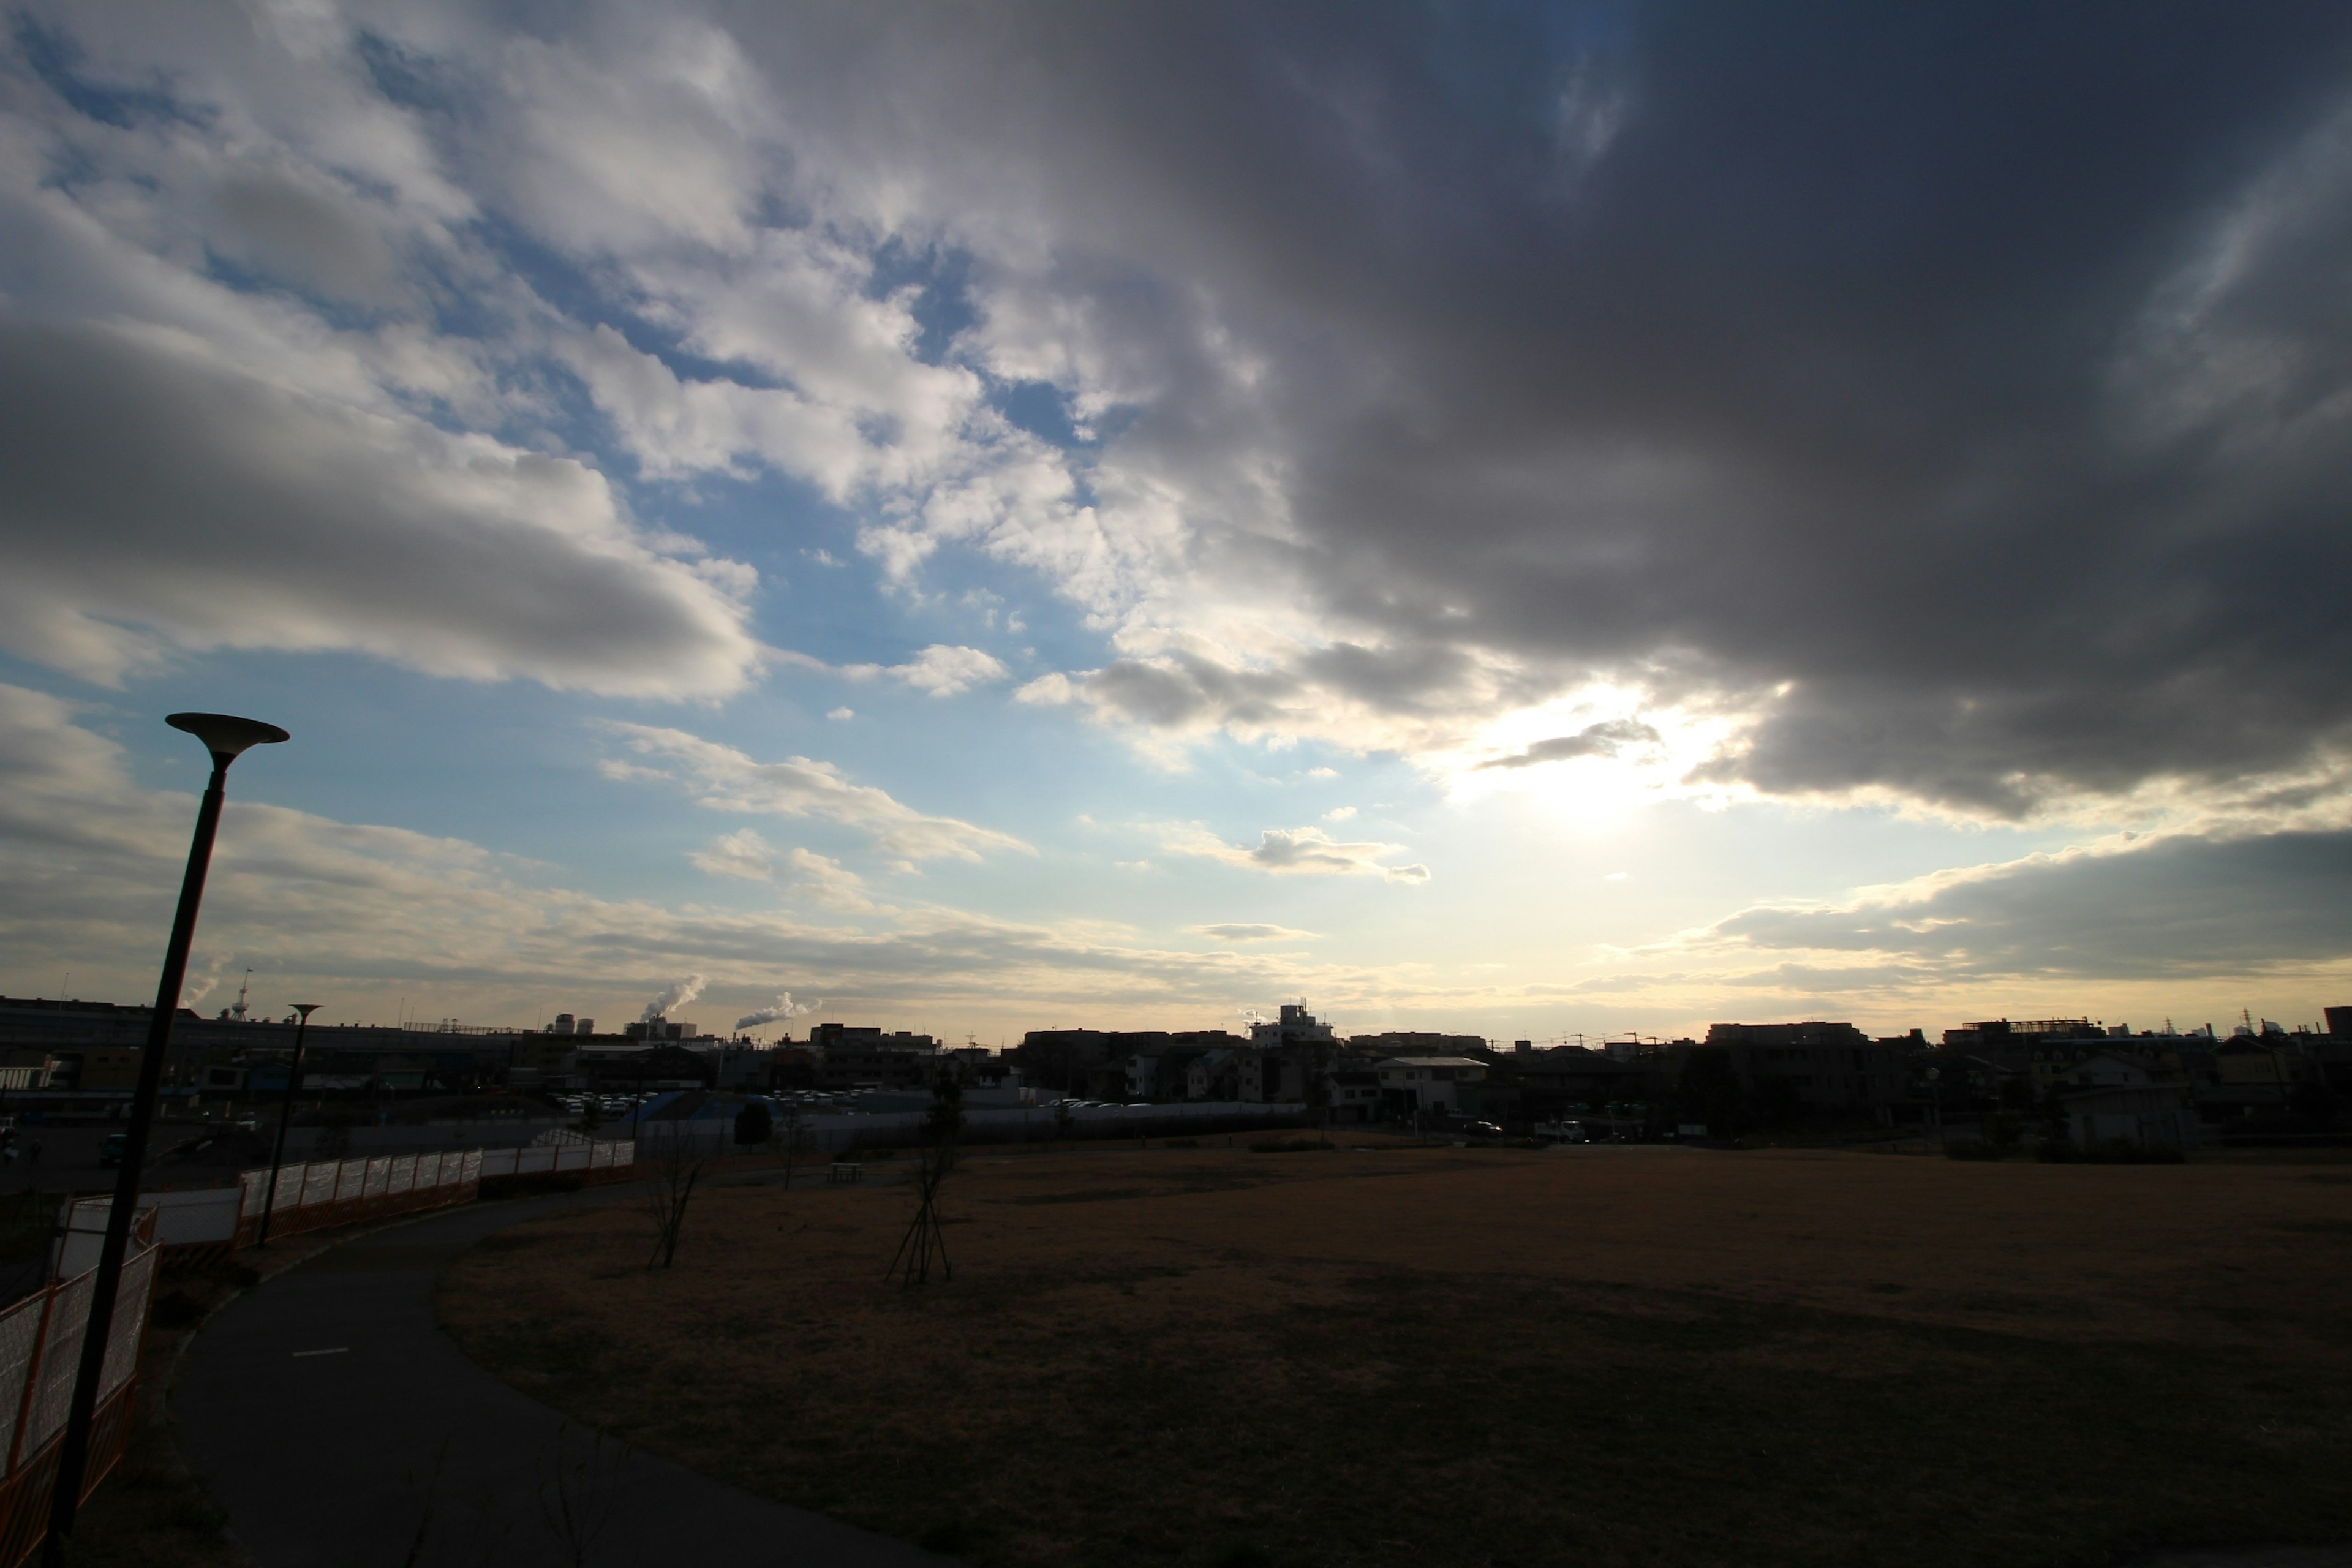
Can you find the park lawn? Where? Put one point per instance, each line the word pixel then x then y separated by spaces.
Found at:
pixel 1434 1357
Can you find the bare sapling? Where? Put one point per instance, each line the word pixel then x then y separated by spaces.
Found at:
pixel 678 1162
pixel 790 1138
pixel 925 1243
pixel 577 1494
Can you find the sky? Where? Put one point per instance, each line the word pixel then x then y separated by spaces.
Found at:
pixel 1536 520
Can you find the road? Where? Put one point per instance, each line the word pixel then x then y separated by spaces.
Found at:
pixel 337 1422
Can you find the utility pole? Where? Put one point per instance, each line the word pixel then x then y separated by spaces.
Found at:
pixel 285 1117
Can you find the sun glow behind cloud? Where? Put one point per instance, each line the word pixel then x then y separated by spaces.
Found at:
pixel 1591 758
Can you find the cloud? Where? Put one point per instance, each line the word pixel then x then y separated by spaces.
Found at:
pixel 1867 435
pixel 940 671
pixel 1675 394
pixel 1600 739
pixel 360 915
pixel 1308 851
pixel 841 713
pixel 721 778
pixel 743 853
pixel 1241 931
pixel 2174 907
pixel 1339 814
pixel 156 498
pixel 822 881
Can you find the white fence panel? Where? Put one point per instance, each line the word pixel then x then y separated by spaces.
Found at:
pixel 60 1360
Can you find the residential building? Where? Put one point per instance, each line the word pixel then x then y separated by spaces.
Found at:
pixel 2114 1096
pixel 1213 1075
pixel 1572 1078
pixel 1353 1097
pixel 1416 1043
pixel 1441 1086
pixel 1295 1027
pixel 1072 1061
pixel 1270 1076
pixel 1817 1067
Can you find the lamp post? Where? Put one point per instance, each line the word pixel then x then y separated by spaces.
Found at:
pixel 227 738
pixel 285 1117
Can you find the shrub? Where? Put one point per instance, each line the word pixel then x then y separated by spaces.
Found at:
pixel 753 1123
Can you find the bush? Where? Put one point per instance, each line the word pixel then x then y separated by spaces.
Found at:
pixel 753 1123
pixel 1290 1145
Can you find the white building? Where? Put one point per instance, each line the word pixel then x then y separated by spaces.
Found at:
pixel 2112 1097
pixel 1432 1083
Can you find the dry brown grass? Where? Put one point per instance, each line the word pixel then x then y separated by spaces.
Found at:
pixel 1436 1357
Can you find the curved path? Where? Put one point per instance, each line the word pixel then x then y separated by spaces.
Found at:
pixel 335 1421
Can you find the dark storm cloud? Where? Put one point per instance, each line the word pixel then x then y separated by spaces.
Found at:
pixel 2182 905
pixel 1962 390
pixel 142 482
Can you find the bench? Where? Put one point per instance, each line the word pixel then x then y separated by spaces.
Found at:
pixel 846 1175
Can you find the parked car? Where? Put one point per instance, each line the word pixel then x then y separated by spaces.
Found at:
pixel 1482 1129
pixel 111 1148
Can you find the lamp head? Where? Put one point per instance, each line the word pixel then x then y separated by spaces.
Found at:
pixel 307 1008
pixel 225 736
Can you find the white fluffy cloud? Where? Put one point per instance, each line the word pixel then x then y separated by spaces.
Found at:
pixel 722 778
pixel 940 671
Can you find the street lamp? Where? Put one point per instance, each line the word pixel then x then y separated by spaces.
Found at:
pixel 285 1117
pixel 227 738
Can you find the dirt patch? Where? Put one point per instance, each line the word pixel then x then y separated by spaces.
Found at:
pixel 1447 1357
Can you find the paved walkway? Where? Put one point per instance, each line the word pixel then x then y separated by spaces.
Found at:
pixel 335 1421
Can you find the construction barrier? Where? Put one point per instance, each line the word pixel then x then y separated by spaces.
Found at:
pixel 594 1160
pixel 40 1354
pixel 322 1193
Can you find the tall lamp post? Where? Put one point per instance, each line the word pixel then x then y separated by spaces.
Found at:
pixel 285 1117
pixel 227 738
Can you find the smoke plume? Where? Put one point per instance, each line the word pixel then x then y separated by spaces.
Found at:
pixel 785 1008
pixel 677 994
